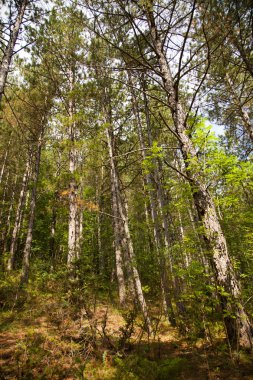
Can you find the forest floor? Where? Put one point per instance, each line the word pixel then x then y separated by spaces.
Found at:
pixel 42 337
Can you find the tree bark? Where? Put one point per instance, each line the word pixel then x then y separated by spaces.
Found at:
pixel 73 186
pixel 101 256
pixel 4 161
pixel 17 223
pixel 123 216
pixel 29 236
pixel 6 231
pixel 3 166
pixel 116 226
pixel 4 197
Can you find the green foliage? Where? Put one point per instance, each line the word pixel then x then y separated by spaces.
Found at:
pixel 150 161
pixel 137 367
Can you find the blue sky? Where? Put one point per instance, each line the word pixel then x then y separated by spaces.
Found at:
pixel 218 129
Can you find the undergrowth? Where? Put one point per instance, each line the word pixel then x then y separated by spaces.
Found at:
pixel 49 332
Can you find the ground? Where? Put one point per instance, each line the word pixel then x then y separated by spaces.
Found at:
pixel 43 336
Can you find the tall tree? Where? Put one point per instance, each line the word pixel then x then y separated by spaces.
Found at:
pixel 12 30
pixel 157 32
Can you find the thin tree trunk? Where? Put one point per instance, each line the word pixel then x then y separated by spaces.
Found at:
pixel 6 232
pixel 24 211
pixel 79 239
pixel 153 208
pixel 52 236
pixel 9 50
pixel 28 243
pixel 17 223
pixel 3 166
pixel 117 233
pixel 4 197
pixel 52 242
pixel 118 253
pixel 79 227
pixel 124 244
pixel 72 224
pixel 123 216
pixel 4 161
pixel 238 328
pixel 101 257
pixel 193 220
pixel 73 187
pixel 157 176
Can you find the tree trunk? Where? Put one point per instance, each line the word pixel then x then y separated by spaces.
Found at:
pixel 28 243
pixel 4 161
pixel 117 229
pixel 3 166
pixel 3 210
pixel 80 235
pixel 101 256
pixel 73 187
pixel 52 236
pixel 164 279
pixel 238 328
pixel 6 231
pixel 9 50
pixel 17 223
pixel 124 218
pixel 200 255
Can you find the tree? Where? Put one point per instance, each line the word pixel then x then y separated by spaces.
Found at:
pixel 8 48
pixel 155 31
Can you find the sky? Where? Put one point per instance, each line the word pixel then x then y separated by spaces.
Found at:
pixel 218 129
